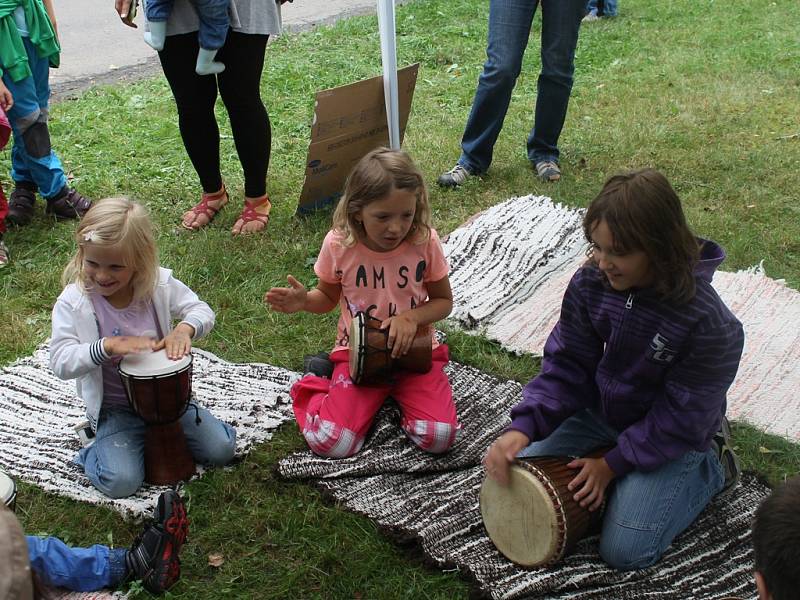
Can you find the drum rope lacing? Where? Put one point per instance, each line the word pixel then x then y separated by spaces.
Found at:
pixel 561 512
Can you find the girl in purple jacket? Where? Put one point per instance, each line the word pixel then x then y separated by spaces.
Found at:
pixel 640 362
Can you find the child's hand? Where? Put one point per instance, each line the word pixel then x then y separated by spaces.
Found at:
pixel 402 331
pixel 593 479
pixel 287 300
pixel 6 98
pixel 178 342
pixel 128 344
pixel 502 453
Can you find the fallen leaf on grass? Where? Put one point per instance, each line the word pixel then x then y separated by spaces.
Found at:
pixel 764 450
pixel 215 560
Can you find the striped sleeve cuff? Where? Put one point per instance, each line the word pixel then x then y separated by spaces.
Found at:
pixel 197 324
pixel 97 353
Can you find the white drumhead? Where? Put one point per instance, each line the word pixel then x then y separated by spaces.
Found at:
pixel 520 518
pixel 7 488
pixel 152 364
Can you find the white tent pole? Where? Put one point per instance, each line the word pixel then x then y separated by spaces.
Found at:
pixel 386 26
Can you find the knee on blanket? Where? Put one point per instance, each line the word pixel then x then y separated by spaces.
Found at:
pixel 432 436
pixel 628 549
pixel 327 439
pixel 119 486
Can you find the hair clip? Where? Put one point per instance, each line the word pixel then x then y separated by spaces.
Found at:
pixel 91 236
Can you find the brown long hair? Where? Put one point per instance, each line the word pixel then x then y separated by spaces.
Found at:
pixel 373 178
pixel 644 213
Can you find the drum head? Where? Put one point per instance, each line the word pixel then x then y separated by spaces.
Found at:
pixel 8 489
pixel 520 518
pixel 152 364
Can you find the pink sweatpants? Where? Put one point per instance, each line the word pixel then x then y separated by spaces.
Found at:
pixel 335 414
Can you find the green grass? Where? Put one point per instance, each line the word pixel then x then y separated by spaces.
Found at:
pixel 705 91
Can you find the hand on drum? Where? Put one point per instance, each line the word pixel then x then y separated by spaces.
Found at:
pixel 287 300
pixel 128 344
pixel 502 453
pixel 178 343
pixel 593 479
pixel 402 331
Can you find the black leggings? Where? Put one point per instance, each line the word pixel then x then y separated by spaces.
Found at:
pixel 195 96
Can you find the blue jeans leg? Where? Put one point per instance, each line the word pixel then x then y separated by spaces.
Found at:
pixel 76 569
pixel 114 463
pixel 509 29
pixel 576 436
pixel 32 156
pixel 646 511
pixel 214 23
pixel 158 10
pixel 211 441
pixel 561 21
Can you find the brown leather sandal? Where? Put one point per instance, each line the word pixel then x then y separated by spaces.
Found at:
pixel 204 208
pixel 249 214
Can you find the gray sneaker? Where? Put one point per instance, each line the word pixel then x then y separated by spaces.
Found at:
pixel 454 177
pixel 727 457
pixel 547 170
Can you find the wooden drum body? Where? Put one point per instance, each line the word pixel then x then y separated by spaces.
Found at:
pixel 8 491
pixel 159 391
pixel 534 521
pixel 371 360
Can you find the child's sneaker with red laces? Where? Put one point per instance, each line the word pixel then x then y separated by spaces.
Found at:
pixel 153 557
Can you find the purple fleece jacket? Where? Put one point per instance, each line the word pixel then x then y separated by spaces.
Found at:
pixel 656 372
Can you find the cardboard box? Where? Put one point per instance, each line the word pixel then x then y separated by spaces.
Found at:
pixel 349 121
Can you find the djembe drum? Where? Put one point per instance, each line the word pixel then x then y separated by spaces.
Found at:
pixel 159 391
pixel 8 491
pixel 371 359
pixel 534 520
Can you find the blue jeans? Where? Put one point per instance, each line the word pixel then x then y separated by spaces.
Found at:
pixel 114 463
pixel 609 7
pixel 644 511
pixel 76 569
pixel 32 157
pixel 509 29
pixel 213 15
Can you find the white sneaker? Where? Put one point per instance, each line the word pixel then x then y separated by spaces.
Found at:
pixel 454 177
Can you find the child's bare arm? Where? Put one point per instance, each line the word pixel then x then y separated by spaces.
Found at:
pixel 6 98
pixel 51 12
pixel 321 299
pixel 403 327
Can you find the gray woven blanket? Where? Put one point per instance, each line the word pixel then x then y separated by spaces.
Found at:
pixel 434 500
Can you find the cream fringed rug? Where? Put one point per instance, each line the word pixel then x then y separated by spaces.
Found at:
pixel 511 264
pixel 38 412
pixel 433 500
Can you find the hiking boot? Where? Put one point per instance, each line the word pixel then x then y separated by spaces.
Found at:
pixel 454 177
pixel 3 254
pixel 20 205
pixel 69 204
pixel 547 170
pixel 721 444
pixel 153 557
pixel 318 364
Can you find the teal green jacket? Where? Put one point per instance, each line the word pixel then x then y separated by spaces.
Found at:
pixel 13 58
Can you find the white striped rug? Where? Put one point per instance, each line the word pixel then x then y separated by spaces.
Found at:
pixel 434 500
pixel 511 264
pixel 38 411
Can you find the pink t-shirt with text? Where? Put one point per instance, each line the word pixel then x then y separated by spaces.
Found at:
pixel 381 284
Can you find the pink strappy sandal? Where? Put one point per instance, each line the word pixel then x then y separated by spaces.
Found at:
pixel 204 208
pixel 249 214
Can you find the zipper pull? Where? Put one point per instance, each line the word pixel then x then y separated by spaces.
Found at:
pixel 629 303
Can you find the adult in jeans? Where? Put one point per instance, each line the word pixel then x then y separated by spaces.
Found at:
pixel 252 22
pixel 509 29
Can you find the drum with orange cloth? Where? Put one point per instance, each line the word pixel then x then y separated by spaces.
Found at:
pixel 159 391
pixel 534 520
pixel 371 359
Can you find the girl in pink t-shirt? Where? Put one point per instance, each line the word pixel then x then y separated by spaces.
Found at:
pixel 382 258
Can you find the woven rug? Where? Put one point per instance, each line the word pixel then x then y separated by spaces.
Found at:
pixel 38 412
pixel 434 500
pixel 511 264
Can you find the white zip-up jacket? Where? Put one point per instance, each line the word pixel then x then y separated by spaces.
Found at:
pixel 76 348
